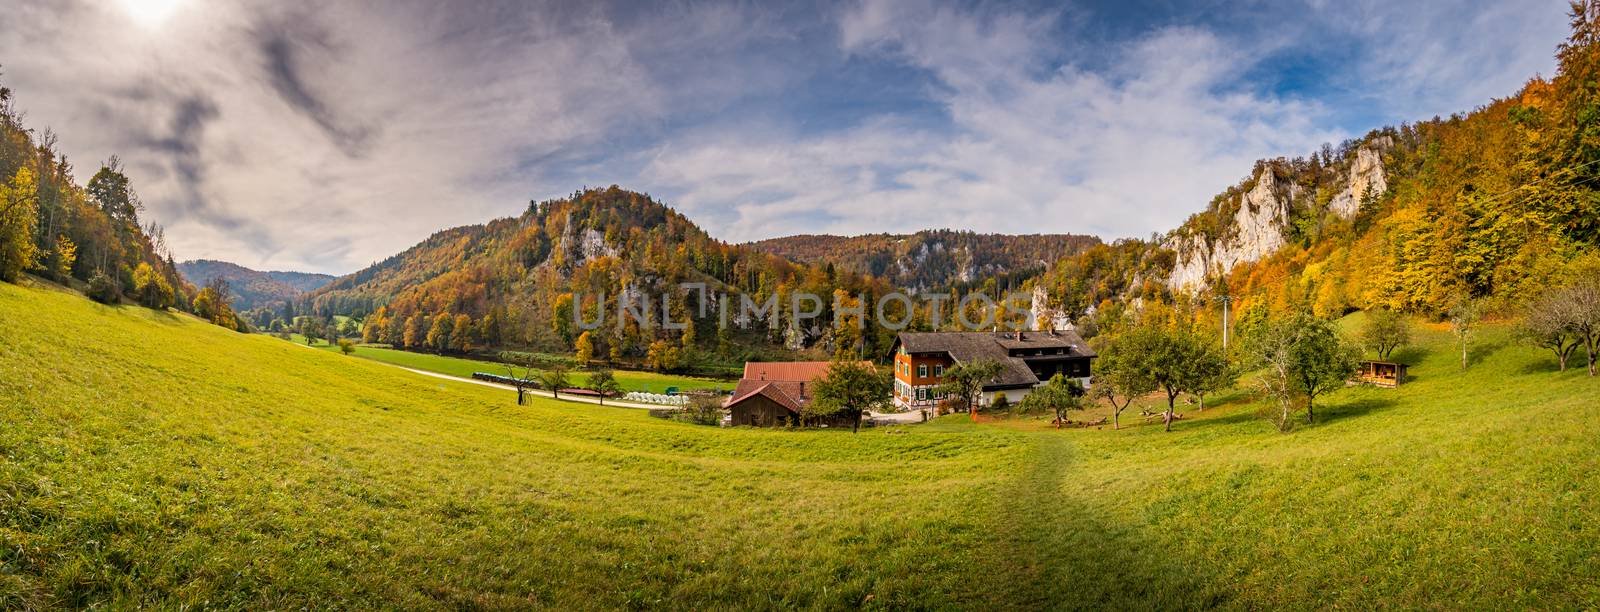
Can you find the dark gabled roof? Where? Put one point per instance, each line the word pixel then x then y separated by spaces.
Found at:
pixel 788 394
pixel 965 347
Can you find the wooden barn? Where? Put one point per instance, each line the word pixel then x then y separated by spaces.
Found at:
pixel 775 393
pixel 1381 373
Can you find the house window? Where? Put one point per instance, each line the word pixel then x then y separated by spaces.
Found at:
pixel 922 394
pixel 938 370
pixel 922 370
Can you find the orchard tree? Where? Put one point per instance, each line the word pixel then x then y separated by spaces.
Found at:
pixel 604 382
pixel 347 346
pixel 1549 321
pixel 1058 395
pixel 850 388
pixel 1463 317
pixel 1385 331
pixel 1304 358
pixel 964 382
pixel 1172 360
pixel 1116 380
pixel 555 379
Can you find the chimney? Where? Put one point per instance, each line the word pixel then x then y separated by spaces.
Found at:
pixel 1019 335
pixel 1052 330
pixel 802 389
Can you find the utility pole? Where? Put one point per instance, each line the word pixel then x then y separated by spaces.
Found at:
pixel 1226 299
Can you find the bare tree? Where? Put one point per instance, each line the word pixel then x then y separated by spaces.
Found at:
pixel 1549 322
pixel 521 376
pixel 1463 321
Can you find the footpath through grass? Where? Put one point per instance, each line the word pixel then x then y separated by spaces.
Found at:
pixel 148 459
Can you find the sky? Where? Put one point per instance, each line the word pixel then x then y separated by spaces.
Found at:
pixel 325 136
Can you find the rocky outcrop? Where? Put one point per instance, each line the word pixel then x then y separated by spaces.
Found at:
pixel 1260 222
pixel 1256 230
pixel 1365 179
pixel 1044 316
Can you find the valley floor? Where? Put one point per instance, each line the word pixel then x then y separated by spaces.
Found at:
pixel 150 459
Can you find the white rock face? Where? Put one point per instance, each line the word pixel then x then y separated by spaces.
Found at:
pixel 1366 178
pixel 1258 229
pixel 593 245
pixel 1044 317
pixel 1257 232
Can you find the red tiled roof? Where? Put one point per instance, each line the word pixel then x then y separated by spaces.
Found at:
pixel 783 382
pixel 792 371
pixel 788 394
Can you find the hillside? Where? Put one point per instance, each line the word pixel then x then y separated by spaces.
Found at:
pixel 251 288
pixel 1486 204
pixel 298 477
pixel 518 280
pixel 932 259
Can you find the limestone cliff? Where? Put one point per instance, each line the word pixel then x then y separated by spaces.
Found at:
pixel 1282 197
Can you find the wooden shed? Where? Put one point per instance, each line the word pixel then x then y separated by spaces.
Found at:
pixel 1381 373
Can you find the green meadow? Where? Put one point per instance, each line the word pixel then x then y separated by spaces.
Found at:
pixel 464 367
pixel 148 459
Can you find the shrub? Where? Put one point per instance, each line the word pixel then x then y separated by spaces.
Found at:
pixel 104 290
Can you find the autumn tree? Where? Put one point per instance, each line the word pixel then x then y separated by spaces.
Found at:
pixel 439 332
pixel 414 335
pixel 584 349
pixel 19 202
pixel 662 356
pixel 151 289
pixel 461 333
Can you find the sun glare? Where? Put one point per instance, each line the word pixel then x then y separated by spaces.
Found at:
pixel 149 13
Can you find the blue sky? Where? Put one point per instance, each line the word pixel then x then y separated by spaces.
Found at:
pixel 324 136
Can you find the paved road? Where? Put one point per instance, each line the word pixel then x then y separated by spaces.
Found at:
pixel 564 398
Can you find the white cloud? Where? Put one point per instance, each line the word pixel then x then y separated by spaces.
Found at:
pixel 324 136
pixel 1033 148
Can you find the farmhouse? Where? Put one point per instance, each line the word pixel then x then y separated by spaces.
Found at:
pixel 774 393
pixel 1027 358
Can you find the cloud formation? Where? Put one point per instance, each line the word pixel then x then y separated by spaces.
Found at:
pixel 324 136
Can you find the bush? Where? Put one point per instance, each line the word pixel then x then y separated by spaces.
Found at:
pixel 347 346
pixel 104 290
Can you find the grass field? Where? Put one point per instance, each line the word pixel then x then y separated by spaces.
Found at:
pixel 149 459
pixel 458 366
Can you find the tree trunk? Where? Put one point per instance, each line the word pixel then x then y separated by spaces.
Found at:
pixel 1590 349
pixel 856 427
pixel 1202 399
pixel 1463 352
pixel 1116 417
pixel 1168 416
pixel 1310 406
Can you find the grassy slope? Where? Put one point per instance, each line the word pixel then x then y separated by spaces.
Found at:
pixel 155 459
pixel 457 366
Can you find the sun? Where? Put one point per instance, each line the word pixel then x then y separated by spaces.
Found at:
pixel 149 13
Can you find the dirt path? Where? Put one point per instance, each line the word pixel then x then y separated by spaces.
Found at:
pixel 1032 514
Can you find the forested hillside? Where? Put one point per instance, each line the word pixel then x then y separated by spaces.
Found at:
pixel 515 282
pixel 252 288
pixel 1488 205
pixel 932 259
pixel 88 235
